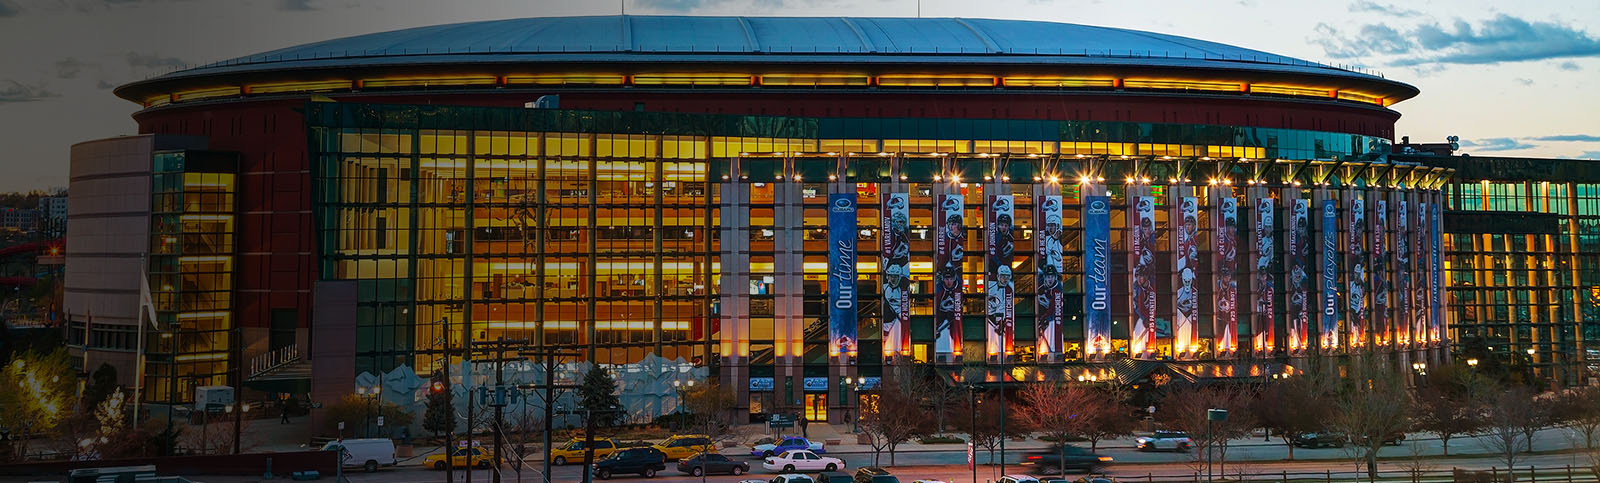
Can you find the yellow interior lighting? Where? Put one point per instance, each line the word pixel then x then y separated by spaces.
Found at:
pixel 160 100
pixel 429 81
pixel 693 79
pixel 1360 97
pixel 1055 81
pixel 1289 90
pixel 815 80
pixel 566 79
pixel 1180 84
pixel 214 356
pixel 948 80
pixel 315 86
pixel 207 93
pixel 203 259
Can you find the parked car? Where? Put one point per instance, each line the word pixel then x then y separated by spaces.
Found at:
pixel 641 461
pixel 1392 439
pixel 786 478
pixel 1164 440
pixel 1318 440
pixel 1018 479
pixel 712 463
pixel 368 453
pixel 1051 461
pixel 1097 479
pixel 801 460
pixel 786 444
pixel 873 474
pixel 574 451
pixel 460 458
pixel 682 446
pixel 833 477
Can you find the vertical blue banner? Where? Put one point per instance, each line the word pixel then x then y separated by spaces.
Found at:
pixel 1329 335
pixel 1097 279
pixel 1436 329
pixel 842 274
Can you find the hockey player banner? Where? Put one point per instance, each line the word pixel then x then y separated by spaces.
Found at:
pixel 1097 279
pixel 1380 274
pixel 896 255
pixel 1329 333
pixel 1436 267
pixel 949 252
pixel 1142 236
pixel 1356 280
pixel 1419 284
pixel 1048 262
pixel 1402 258
pixel 1186 330
pixel 842 274
pixel 1299 278
pixel 1000 313
pixel 1262 326
pixel 1227 285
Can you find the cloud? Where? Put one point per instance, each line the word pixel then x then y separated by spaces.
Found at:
pixel 1570 66
pixel 1503 38
pixel 13 91
pixel 8 10
pixel 154 61
pixel 69 68
pixel 104 84
pixel 1524 81
pixel 296 5
pixel 1360 6
pixel 1589 155
pixel 1586 138
pixel 1497 144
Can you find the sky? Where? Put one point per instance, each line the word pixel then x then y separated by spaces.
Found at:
pixel 1510 82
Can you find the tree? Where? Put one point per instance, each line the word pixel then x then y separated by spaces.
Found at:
pixel 1112 419
pixel 1504 417
pixel 34 392
pixel 598 396
pixel 1446 415
pixel 982 425
pixel 1056 410
pixel 101 383
pixel 1539 414
pixel 1580 408
pixel 1371 406
pixel 710 408
pixel 358 412
pixel 1294 406
pixel 439 417
pixel 890 416
pixel 1185 410
pixel 932 393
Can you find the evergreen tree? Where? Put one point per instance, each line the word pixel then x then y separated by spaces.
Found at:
pixel 102 382
pixel 440 416
pixel 599 395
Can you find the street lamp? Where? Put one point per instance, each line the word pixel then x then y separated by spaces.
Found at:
pixel 1473 362
pixel 368 395
pixel 680 387
pixel 850 383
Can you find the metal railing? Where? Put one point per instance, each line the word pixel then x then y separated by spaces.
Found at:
pixel 1552 474
pixel 273 359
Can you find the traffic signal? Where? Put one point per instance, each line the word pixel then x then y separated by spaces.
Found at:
pixel 437 388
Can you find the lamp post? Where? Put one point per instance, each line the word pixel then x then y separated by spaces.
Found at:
pixel 680 387
pixel 844 395
pixel 368 395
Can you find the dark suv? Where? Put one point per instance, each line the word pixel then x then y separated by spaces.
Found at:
pixel 641 461
pixel 1051 461
pixel 873 474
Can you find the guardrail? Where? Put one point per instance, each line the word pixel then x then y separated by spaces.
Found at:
pixel 273 359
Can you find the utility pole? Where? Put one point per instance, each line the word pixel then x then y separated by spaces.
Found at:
pixel 450 431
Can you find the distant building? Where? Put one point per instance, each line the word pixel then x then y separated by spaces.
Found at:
pixel 53 215
pixel 21 219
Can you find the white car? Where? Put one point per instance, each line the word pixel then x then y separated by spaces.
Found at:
pixel 1018 479
pixel 785 478
pixel 801 460
pixel 1164 440
pixel 928 481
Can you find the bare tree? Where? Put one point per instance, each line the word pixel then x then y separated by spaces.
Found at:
pixel 1580 408
pixel 924 382
pixel 1371 407
pixel 1185 410
pixel 1112 419
pixel 889 417
pixel 710 409
pixel 1446 415
pixel 982 424
pixel 1416 463
pixel 1058 411
pixel 1504 417
pixel 1295 406
pixel 1539 414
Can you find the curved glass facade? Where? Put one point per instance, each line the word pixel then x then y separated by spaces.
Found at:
pixel 716 239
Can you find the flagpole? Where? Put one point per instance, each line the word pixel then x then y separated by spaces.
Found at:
pixel 146 308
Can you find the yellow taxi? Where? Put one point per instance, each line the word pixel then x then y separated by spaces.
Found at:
pixel 682 446
pixel 461 458
pixel 574 451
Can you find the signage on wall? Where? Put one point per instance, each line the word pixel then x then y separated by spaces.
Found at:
pixel 816 384
pixel 760 384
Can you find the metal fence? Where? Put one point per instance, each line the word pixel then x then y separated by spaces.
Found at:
pixel 1553 474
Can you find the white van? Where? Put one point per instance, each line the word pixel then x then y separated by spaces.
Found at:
pixel 367 454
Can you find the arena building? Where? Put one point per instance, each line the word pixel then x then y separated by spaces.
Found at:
pixel 797 205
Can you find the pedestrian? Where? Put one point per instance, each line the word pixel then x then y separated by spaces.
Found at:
pixel 283 413
pixel 803 424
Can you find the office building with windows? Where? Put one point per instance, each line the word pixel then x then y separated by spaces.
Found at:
pixel 798 205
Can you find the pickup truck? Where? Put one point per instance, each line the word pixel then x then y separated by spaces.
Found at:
pixel 786 444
